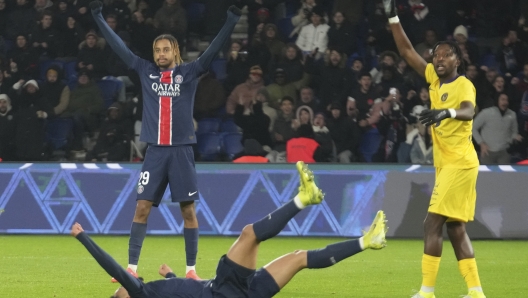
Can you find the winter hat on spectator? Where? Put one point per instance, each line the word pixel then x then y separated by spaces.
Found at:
pixel 461 30
pixel 255 70
pixel 92 33
pixel 85 72
pixel 335 106
pixel 31 82
pixel 263 11
pixel 264 92
pixel 6 98
pixel 280 72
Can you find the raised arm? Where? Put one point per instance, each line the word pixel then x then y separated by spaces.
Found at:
pixel 233 15
pixel 111 37
pixel 405 47
pixel 130 283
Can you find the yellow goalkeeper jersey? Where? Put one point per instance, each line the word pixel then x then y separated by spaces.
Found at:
pixel 452 145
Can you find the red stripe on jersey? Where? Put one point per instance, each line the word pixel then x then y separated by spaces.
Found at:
pixel 165 113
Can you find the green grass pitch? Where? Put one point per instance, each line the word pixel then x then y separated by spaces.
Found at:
pixel 59 266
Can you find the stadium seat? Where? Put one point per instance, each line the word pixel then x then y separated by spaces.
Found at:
pixel 70 71
pixel 44 65
pixel 208 125
pixel 229 126
pixel 232 144
pixel 109 90
pixel 58 131
pixel 489 60
pixel 370 142
pixel 219 67
pixel 209 145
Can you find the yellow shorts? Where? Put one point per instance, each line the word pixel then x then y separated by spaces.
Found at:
pixel 454 194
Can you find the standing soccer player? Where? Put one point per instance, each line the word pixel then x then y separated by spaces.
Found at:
pixel 169 86
pixel 455 159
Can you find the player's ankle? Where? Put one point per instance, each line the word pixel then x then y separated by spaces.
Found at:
pixel 132 267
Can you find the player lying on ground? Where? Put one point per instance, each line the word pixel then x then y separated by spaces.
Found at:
pixel 236 274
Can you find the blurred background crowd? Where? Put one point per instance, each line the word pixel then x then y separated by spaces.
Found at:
pixel 312 80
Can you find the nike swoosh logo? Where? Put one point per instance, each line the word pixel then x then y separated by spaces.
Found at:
pixel 153 77
pixel 192 193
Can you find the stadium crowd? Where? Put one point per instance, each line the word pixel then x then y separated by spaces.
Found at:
pixel 314 80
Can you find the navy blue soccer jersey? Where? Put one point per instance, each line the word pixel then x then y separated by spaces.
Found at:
pixel 168 101
pixel 168 95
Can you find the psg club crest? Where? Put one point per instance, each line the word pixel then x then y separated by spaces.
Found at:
pixel 140 189
pixel 179 79
pixel 444 96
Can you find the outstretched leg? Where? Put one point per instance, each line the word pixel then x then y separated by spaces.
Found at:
pixel 138 231
pixel 283 269
pixel 466 258
pixel 244 250
pixel 130 283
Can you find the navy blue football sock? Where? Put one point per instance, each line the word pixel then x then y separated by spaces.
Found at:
pixel 271 225
pixel 332 254
pixel 137 235
pixel 191 245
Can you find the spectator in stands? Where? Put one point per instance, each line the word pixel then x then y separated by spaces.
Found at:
pixel 23 60
pixel 269 37
pixel 55 91
pixel 477 76
pixel 323 137
pixel 46 40
pixel 303 115
pixel 501 85
pixel 351 9
pixel 73 36
pixel 329 78
pixel 237 67
pixel 263 97
pixel 5 83
pixel 304 147
pixel 83 15
pixel 302 18
pixel 3 17
pixel 381 41
pixel 425 48
pixel 387 58
pixel 494 129
pixel 143 29
pixel 390 77
pixel 291 61
pixel 113 142
pixel 344 133
pixel 7 129
pixel 511 54
pixel 420 141
pixel 247 90
pixel 279 88
pixel 92 57
pixel 342 34
pixel 307 98
pixel 283 129
pixel 364 95
pixel 43 5
pixel 461 36
pixel 520 83
pixel 253 8
pixel 85 106
pixel 250 117
pixel 416 17
pixel 32 110
pixel 258 52
pixel 61 13
pixel 172 19
pixel 313 37
pixel 210 97
pixel 21 20
pixel 112 22
pixel 120 11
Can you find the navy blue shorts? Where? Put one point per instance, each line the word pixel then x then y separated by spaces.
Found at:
pixel 172 165
pixel 233 280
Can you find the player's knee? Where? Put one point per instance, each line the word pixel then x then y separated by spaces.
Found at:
pixel 142 212
pixel 248 233
pixel 188 211
pixel 300 257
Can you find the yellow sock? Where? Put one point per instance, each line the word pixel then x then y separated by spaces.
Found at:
pixel 430 267
pixel 468 269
